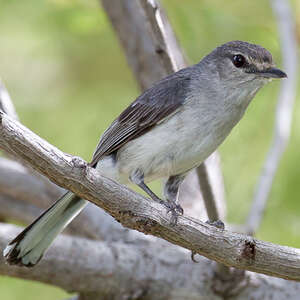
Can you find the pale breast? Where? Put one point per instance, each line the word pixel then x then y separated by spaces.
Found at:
pixel 183 141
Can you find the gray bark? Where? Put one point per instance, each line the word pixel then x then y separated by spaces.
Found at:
pixel 137 212
pixel 150 270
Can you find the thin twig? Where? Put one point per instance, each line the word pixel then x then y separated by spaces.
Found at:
pixel 282 126
pixel 6 105
pixel 208 196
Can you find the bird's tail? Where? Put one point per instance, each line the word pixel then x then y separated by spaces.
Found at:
pixel 29 246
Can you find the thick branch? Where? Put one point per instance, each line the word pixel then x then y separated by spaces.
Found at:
pixel 150 270
pixel 17 182
pixel 22 195
pixel 13 209
pixel 137 212
pixel 282 126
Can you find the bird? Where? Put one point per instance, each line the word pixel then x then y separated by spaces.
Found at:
pixel 168 130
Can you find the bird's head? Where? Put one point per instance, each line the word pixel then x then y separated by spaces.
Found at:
pixel 242 62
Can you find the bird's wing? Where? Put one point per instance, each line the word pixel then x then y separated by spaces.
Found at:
pixel 152 107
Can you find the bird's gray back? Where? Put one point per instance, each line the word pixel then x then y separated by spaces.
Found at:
pixel 149 109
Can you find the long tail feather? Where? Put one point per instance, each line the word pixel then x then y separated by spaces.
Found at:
pixel 29 246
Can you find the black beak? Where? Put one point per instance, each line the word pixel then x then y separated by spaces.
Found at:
pixel 272 73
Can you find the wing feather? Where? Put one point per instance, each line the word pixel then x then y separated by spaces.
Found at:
pixel 152 107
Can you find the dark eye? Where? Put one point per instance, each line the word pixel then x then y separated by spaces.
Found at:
pixel 238 60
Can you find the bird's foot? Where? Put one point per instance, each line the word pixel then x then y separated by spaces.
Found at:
pixel 174 209
pixel 218 224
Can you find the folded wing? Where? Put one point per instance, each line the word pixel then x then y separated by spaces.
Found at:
pixel 149 109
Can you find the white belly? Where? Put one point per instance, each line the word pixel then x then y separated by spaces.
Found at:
pixel 175 146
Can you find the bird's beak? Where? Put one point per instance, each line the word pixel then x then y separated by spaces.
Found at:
pixel 272 73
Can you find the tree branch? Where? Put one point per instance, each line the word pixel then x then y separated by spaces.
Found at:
pixel 137 212
pixel 150 270
pixel 6 105
pixel 25 186
pixel 13 209
pixel 208 197
pixel 22 195
pixel 282 126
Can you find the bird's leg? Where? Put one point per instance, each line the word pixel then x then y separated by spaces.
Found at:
pixel 137 178
pixel 171 189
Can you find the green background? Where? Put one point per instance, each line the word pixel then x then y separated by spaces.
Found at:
pixel 68 78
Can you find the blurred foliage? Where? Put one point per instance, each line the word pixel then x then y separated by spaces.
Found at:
pixel 68 77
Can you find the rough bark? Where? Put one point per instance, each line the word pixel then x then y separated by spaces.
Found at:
pixel 137 212
pixel 129 270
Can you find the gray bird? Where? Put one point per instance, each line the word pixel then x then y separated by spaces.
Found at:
pixel 168 130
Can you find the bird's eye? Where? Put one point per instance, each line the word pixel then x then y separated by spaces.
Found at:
pixel 238 60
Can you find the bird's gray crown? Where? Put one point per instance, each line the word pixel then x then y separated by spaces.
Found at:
pixel 239 59
pixel 254 53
